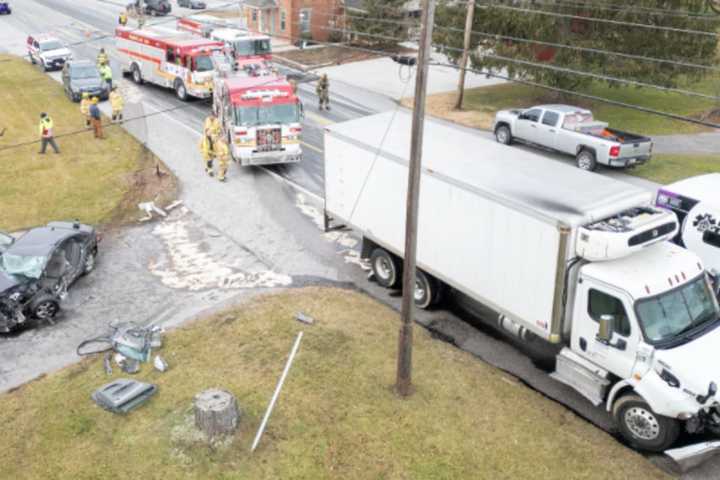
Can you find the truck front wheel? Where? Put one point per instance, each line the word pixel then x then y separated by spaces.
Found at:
pixel 586 160
pixel 503 135
pixel 180 90
pixel 386 267
pixel 643 428
pixel 136 74
pixel 427 290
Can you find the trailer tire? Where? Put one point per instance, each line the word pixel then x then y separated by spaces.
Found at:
pixel 386 267
pixel 643 428
pixel 180 90
pixel 503 134
pixel 426 290
pixel 136 74
pixel 586 160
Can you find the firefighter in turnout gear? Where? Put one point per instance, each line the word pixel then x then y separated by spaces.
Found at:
pixel 222 153
pixel 85 107
pixel 102 58
pixel 117 103
pixel 212 128
pixel 122 19
pixel 323 92
pixel 207 154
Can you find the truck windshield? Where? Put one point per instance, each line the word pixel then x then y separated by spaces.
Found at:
pixel 27 266
pixel 50 45
pixel 669 316
pixel 250 116
pixel 251 47
pixel 203 63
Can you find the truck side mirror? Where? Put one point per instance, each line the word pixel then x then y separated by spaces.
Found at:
pixel 712 390
pixel 607 327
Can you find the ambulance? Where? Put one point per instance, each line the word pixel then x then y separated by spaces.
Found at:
pixel 171 59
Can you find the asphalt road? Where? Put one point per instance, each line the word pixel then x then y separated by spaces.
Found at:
pixel 253 230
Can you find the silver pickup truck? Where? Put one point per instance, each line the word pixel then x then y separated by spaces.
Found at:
pixel 574 131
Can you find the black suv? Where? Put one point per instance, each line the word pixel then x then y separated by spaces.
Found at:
pixel 82 76
pixel 151 7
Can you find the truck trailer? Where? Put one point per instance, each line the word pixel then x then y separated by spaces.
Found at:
pixel 578 261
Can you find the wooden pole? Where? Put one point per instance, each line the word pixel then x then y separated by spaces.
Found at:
pixel 403 382
pixel 466 53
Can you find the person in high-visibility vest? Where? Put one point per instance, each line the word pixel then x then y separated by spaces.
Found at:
pixel 47 137
pixel 122 19
pixel 106 74
pixel 102 58
pixel 117 104
pixel 85 107
pixel 222 153
pixel 212 128
pixel 207 154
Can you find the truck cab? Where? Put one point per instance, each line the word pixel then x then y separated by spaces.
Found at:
pixel 244 46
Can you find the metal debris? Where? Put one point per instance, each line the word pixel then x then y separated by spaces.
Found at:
pixel 304 318
pixel 127 365
pixel 123 395
pixel 107 363
pixel 160 364
pixel 173 205
pixel 149 208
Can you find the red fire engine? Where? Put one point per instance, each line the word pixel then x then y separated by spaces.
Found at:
pixel 261 117
pixel 240 42
pixel 169 58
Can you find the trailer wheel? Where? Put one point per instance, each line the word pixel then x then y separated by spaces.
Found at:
pixel 136 74
pixel 643 428
pixel 180 90
pixel 503 135
pixel 586 160
pixel 426 290
pixel 386 267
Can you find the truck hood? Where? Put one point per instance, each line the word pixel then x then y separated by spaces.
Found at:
pixel 7 282
pixel 686 362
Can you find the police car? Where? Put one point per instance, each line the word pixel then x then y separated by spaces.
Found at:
pixel 47 51
pixel 696 201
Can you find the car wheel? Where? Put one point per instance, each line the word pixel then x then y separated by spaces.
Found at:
pixel 586 160
pixel 136 74
pixel 89 263
pixel 643 428
pixel 503 135
pixel 386 267
pixel 180 90
pixel 45 307
pixel 425 292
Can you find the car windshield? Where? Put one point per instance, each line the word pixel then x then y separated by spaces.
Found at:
pixel 203 63
pixel 51 45
pixel 668 316
pixel 251 47
pixel 30 266
pixel 249 116
pixel 85 72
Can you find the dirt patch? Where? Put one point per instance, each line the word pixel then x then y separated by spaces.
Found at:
pixel 151 182
pixel 333 55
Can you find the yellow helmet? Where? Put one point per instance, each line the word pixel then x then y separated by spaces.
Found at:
pixel 85 95
pixel 95 100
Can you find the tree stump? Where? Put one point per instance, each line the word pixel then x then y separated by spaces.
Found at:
pixel 216 412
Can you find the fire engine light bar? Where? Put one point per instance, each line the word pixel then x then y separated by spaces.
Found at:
pixel 264 93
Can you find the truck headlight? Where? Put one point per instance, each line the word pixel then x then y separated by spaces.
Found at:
pixel 685 416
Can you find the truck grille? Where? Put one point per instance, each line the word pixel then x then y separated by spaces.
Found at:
pixel 269 140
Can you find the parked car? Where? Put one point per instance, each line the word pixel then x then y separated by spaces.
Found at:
pixel 5 8
pixel 48 51
pixel 151 7
pixel 573 131
pixel 194 4
pixel 696 202
pixel 82 76
pixel 37 268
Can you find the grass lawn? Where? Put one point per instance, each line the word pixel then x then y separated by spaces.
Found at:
pixel 666 169
pixel 95 181
pixel 337 417
pixel 481 104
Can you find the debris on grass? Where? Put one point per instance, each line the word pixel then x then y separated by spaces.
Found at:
pixel 123 395
pixel 301 317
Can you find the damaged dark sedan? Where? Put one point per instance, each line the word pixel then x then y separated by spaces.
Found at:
pixel 37 268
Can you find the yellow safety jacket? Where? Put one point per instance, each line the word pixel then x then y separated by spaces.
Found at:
pixel 46 127
pixel 102 58
pixel 116 101
pixel 85 106
pixel 212 127
pixel 222 152
pixel 205 150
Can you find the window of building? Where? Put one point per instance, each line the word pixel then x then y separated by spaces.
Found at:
pixel 305 14
pixel 254 15
pixel 600 303
pixel 283 20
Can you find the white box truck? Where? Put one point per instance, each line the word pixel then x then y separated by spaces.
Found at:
pixel 575 259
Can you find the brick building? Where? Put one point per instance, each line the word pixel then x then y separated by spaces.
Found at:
pixel 295 19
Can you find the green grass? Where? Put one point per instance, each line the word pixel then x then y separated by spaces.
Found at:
pixel 87 181
pixel 337 417
pixel 666 169
pixel 482 103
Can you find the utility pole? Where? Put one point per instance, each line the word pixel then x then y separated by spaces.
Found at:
pixel 403 383
pixel 466 53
